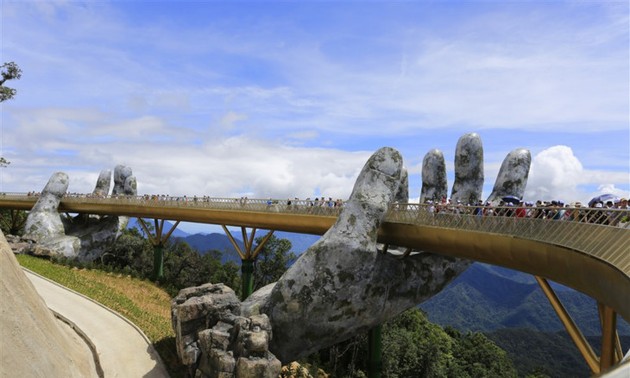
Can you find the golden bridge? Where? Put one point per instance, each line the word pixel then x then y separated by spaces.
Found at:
pixel 586 249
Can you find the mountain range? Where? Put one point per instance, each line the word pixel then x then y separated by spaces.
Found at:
pixel 203 243
pixel 486 298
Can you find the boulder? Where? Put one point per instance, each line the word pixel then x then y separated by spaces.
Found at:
pixel 214 341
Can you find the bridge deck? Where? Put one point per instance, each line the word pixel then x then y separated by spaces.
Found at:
pixel 586 249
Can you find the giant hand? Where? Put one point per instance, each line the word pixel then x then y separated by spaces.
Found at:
pixel 342 285
pixel 84 237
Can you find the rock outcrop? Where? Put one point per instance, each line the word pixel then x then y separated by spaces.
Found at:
pixel 32 342
pixel 215 341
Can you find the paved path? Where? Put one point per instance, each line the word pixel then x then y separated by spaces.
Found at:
pixel 123 350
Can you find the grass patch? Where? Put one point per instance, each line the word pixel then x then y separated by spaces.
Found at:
pixel 142 302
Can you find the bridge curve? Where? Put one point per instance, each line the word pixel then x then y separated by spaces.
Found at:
pixel 586 250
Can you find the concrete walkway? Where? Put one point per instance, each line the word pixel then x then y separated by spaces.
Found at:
pixel 123 350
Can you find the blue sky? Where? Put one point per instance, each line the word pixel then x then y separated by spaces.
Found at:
pixel 288 99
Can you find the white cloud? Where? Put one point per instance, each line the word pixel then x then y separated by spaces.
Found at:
pixel 166 96
pixel 556 173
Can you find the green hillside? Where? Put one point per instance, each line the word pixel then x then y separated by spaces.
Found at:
pixel 486 298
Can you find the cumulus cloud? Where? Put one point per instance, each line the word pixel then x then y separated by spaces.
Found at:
pixel 556 173
pixel 229 167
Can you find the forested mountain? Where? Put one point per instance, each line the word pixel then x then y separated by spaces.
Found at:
pixel 487 298
pixel 510 309
pixel 220 242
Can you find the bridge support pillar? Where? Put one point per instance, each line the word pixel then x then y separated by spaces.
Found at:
pixel 158 241
pixel 572 329
pixel 611 347
pixel 247 278
pixel 375 352
pixel 248 257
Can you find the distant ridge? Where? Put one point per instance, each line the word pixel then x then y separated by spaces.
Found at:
pixel 487 298
pixel 133 223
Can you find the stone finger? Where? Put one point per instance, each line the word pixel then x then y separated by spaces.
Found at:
pixel 43 220
pixel 374 190
pixel 103 183
pixel 121 173
pixel 512 177
pixel 434 182
pixel 468 184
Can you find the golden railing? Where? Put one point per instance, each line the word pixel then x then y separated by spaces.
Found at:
pixel 583 229
pixel 600 232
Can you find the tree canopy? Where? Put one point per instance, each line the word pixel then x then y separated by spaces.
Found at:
pixel 9 71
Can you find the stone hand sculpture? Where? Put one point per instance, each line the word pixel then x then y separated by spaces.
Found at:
pixel 342 285
pixel 84 236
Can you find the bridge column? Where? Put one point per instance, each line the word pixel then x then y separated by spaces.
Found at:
pixel 375 352
pixel 158 241
pixel 611 346
pixel 247 278
pixel 248 257
pixel 572 329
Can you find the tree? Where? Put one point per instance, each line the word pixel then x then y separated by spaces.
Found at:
pixel 478 356
pixel 272 261
pixel 415 347
pixel 9 71
pixel 131 253
pixel 12 221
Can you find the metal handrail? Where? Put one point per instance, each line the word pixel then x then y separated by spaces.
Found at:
pixel 596 231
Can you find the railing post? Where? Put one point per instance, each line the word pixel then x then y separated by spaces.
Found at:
pixel 375 351
pixel 247 278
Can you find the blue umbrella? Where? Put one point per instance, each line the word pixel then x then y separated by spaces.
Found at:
pixel 511 199
pixel 603 199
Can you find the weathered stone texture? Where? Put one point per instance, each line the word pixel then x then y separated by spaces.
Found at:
pixel 469 174
pixel 215 341
pixel 512 177
pixel 434 181
pixel 85 237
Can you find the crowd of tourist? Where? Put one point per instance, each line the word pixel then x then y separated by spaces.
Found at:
pixel 609 212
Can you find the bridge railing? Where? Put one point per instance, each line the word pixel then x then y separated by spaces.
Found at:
pixel 590 230
pixel 584 229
